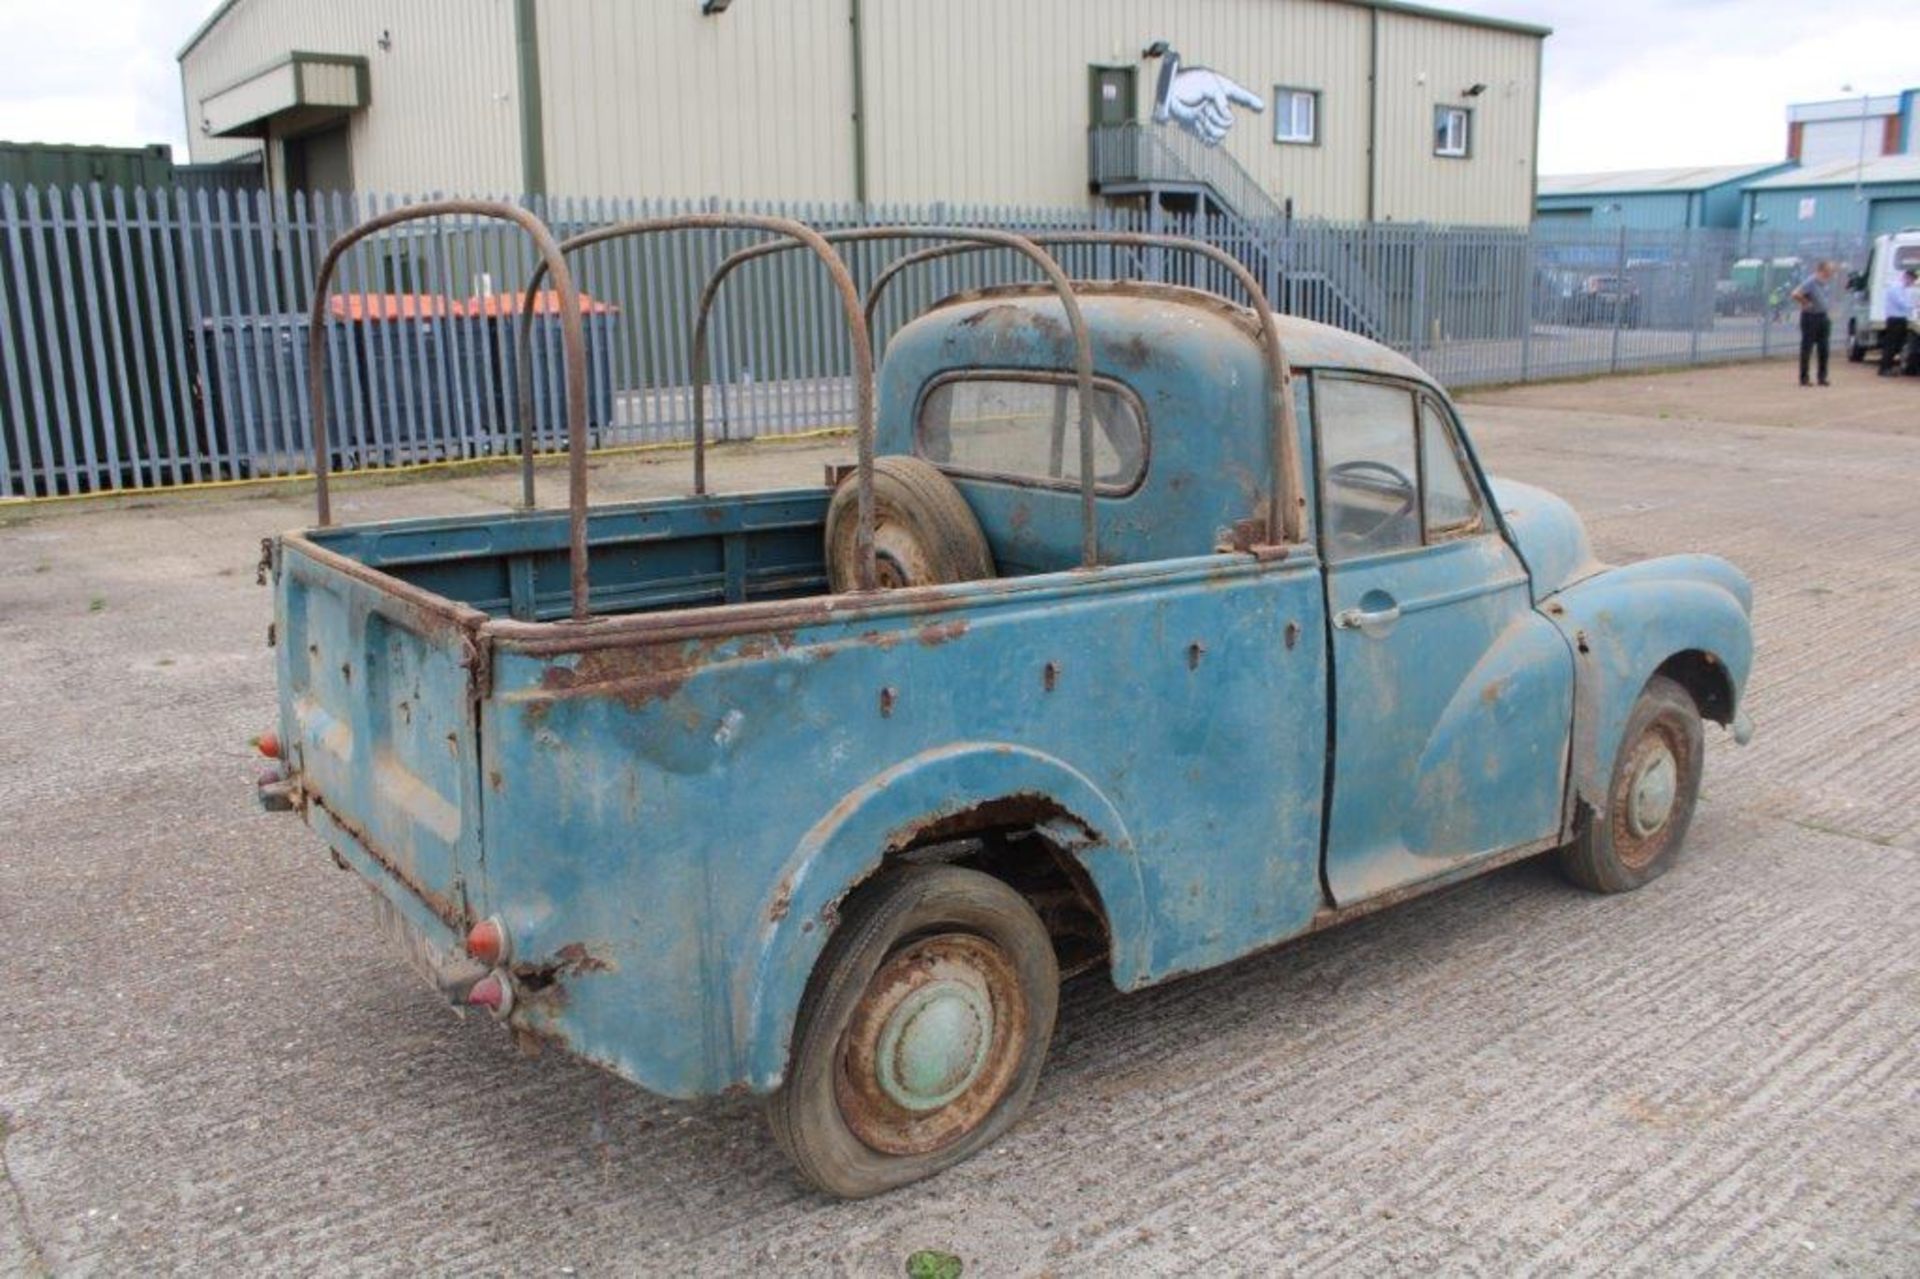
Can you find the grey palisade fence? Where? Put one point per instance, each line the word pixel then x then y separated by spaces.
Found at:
pixel 156 338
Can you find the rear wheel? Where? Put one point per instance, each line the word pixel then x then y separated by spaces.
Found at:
pixel 1656 780
pixel 922 1034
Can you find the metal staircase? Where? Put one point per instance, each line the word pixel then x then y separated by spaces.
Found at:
pixel 1323 279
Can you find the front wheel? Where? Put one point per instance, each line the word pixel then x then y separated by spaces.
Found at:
pixel 1656 780
pixel 922 1033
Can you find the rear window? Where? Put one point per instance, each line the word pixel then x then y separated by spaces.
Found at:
pixel 1025 428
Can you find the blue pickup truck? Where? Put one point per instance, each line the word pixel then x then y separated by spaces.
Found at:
pixel 1149 630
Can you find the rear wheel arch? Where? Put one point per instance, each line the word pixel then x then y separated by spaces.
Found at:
pixel 924 809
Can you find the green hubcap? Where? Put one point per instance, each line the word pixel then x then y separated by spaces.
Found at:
pixel 1650 799
pixel 934 1045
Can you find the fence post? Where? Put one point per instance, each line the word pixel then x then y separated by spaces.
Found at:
pixel 1766 302
pixel 1695 275
pixel 1529 257
pixel 1619 287
pixel 1419 293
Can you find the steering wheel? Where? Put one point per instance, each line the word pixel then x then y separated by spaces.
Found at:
pixel 1389 479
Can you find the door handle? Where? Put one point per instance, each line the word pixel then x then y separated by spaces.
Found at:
pixel 1366 619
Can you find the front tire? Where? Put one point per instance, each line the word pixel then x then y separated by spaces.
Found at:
pixel 922 1033
pixel 1656 782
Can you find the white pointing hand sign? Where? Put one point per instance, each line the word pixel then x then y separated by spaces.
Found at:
pixel 1201 100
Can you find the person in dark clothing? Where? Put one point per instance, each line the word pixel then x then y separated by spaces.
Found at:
pixel 1899 301
pixel 1816 324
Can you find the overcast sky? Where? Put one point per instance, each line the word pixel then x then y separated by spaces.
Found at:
pixel 1629 83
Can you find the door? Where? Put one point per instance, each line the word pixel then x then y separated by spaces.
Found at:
pixel 1112 96
pixel 1886 216
pixel 1452 697
pixel 320 161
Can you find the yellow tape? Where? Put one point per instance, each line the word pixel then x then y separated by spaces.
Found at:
pixel 413 468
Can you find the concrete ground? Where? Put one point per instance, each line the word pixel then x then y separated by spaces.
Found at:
pixel 209 1062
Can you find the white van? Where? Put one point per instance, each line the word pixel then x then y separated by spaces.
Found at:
pixel 1893 253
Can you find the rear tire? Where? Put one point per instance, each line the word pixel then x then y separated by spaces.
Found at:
pixel 924 534
pixel 1656 781
pixel 922 1034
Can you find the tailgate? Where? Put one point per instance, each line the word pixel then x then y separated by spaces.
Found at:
pixel 378 718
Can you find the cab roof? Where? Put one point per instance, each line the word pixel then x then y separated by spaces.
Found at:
pixel 1306 343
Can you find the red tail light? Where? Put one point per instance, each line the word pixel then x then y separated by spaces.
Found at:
pixel 487 942
pixel 268 744
pixel 490 993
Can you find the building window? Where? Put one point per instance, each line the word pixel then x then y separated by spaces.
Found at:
pixel 1296 115
pixel 1452 132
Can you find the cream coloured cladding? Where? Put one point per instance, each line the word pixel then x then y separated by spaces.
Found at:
pixel 965 101
pixel 1425 63
pixel 987 101
pixel 650 98
pixel 443 112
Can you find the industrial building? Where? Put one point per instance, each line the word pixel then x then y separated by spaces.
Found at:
pixel 1846 196
pixel 1649 199
pixel 1340 109
pixel 1856 128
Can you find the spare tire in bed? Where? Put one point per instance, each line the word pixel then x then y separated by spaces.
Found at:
pixel 924 532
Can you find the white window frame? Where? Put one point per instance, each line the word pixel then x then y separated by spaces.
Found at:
pixel 1285 98
pixel 1444 143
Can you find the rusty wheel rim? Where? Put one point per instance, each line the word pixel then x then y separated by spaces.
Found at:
pixel 1652 777
pixel 933 1045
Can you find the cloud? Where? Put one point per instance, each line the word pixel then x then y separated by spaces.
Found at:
pixel 1647 83
pixel 94 71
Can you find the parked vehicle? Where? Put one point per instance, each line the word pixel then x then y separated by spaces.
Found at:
pixel 1149 631
pixel 1891 254
pixel 1586 301
pixel 1610 300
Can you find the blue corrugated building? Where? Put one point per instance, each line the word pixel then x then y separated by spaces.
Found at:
pixel 1649 199
pixel 1871 196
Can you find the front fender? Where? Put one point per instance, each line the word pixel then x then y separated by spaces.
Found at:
pixel 1623 624
pixel 881 816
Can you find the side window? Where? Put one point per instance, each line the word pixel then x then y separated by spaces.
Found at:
pixel 1025 427
pixel 1453 505
pixel 1368 468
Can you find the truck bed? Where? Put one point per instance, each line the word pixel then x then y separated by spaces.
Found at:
pixel 646 556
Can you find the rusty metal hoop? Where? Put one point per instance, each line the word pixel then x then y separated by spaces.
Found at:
pixel 1285 518
pixel 971 238
pixel 798 235
pixel 572 340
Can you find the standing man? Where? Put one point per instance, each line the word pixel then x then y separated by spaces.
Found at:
pixel 1893 338
pixel 1816 325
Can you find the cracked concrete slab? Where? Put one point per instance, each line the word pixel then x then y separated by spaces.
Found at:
pixel 209 1062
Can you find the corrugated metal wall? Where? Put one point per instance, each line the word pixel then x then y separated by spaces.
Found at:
pixel 989 100
pixel 649 98
pixel 1425 63
pixel 984 101
pixel 444 107
pixel 1647 210
pixel 1781 209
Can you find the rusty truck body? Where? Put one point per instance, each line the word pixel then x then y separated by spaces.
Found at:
pixel 1149 630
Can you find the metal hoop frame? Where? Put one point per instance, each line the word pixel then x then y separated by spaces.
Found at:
pixel 1286 506
pixel 1286 502
pixel 572 339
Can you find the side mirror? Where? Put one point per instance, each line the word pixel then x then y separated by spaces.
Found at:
pixel 1857 282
